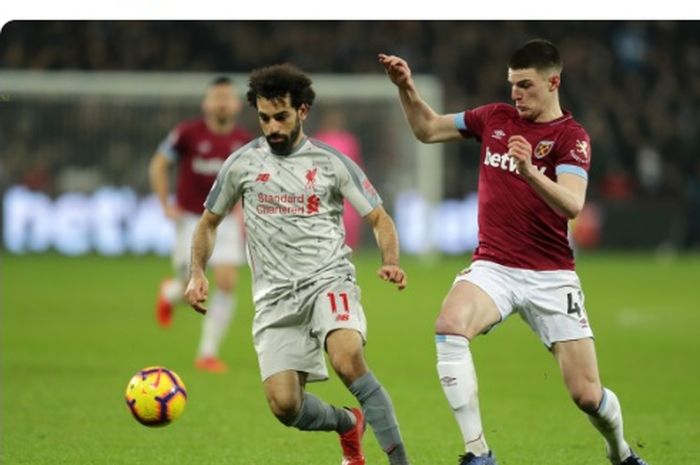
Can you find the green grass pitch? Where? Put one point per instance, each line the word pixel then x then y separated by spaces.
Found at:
pixel 74 330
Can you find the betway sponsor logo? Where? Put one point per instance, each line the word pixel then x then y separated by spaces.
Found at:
pixel 207 166
pixel 504 162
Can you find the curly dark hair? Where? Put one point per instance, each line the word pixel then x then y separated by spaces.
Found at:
pixel 540 54
pixel 276 81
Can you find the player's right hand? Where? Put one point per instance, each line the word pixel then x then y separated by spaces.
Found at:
pixel 197 292
pixel 397 69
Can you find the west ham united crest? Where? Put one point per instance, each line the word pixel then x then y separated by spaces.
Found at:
pixel 543 148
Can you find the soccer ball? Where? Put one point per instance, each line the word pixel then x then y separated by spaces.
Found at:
pixel 156 396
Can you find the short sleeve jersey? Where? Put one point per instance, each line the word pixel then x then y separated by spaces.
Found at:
pixel 292 210
pixel 199 154
pixel 516 226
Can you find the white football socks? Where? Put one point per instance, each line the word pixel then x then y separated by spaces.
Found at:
pixel 458 379
pixel 608 420
pixel 216 323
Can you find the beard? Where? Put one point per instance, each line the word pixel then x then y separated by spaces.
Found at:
pixel 285 144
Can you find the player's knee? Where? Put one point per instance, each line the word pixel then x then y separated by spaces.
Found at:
pixel 225 285
pixel 225 277
pixel 452 320
pixel 587 398
pixel 349 365
pixel 284 406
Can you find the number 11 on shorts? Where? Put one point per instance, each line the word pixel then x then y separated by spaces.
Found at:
pixel 345 316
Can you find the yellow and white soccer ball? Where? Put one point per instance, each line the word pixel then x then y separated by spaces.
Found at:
pixel 156 396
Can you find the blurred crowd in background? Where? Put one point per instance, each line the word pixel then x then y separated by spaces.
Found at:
pixel 635 86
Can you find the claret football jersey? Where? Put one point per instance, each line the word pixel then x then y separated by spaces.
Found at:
pixel 516 226
pixel 199 154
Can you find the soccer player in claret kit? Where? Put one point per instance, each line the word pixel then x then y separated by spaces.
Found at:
pixel 304 288
pixel 198 148
pixel 533 175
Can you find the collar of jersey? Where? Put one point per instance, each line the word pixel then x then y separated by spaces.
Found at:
pixel 566 115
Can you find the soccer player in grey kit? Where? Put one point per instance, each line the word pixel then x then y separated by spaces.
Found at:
pixel 532 181
pixel 304 289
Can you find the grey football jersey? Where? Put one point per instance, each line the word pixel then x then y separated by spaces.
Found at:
pixel 292 207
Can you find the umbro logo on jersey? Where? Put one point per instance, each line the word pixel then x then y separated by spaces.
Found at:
pixel 498 134
pixel 263 177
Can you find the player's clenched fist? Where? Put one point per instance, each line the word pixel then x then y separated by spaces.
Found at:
pixel 520 149
pixel 393 274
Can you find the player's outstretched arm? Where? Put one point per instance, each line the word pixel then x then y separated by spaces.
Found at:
pixel 388 243
pixel 202 246
pixel 427 125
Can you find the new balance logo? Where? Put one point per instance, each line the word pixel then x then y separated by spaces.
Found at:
pixel 263 177
pixel 504 162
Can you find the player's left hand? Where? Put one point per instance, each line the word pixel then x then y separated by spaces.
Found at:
pixel 393 274
pixel 520 149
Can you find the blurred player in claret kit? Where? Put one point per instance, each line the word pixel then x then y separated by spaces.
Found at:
pixel 304 288
pixel 198 148
pixel 533 175
pixel 334 132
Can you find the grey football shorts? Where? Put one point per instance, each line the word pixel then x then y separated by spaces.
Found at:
pixel 289 333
